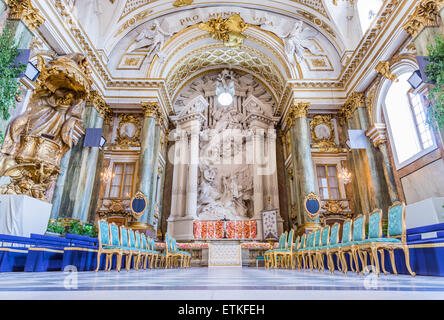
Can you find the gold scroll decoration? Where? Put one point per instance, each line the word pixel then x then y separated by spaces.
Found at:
pixel 227 30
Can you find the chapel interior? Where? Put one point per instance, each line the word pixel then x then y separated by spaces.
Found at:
pixel 222 134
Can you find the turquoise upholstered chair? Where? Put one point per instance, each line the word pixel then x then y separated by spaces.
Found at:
pixel 143 253
pixel 269 255
pixel 305 251
pixel 294 252
pixel 157 255
pixel 115 248
pixel 345 246
pixel 368 245
pixel 104 242
pixel 312 259
pixel 396 238
pixel 333 247
pixel 325 234
pixel 126 250
pixel 352 247
pixel 133 253
pixel 299 250
pixel 283 255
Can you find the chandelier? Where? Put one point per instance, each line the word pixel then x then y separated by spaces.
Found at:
pixel 345 175
pixel 107 175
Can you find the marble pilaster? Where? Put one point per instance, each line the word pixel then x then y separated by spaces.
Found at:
pixel 303 163
pixel 148 156
pixel 154 169
pixel 193 166
pixel 378 135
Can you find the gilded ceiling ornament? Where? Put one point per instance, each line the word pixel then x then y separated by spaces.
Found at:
pixel 383 67
pixel 322 133
pixel 426 15
pixel 128 131
pixel 357 99
pixel 227 30
pixel 182 3
pixel 37 140
pixel 23 10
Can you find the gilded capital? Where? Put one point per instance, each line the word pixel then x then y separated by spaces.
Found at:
pixel 23 10
pixel 96 100
pixel 297 110
pixel 356 99
pixel 426 15
pixel 150 109
pixel 377 134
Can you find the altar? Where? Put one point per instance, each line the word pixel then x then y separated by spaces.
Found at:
pixel 224 156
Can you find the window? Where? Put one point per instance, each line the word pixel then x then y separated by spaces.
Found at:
pixel 367 10
pixel 328 182
pixel 122 183
pixel 406 114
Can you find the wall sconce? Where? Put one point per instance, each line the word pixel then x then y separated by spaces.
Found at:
pixel 107 175
pixel 345 175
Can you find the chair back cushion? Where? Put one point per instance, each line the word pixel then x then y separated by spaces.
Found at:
pixel 124 234
pixel 290 239
pixel 310 240
pixel 144 244
pixel 139 240
pixel 358 229
pixel 115 239
pixel 132 238
pixel 167 242
pixel 396 215
pixel 318 238
pixel 174 245
pixel 334 234
pixel 374 225
pixel 296 243
pixel 302 245
pixel 346 232
pixel 324 237
pixel 104 232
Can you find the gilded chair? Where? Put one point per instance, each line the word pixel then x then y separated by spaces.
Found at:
pixel 158 257
pixel 171 257
pixel 352 247
pixel 126 250
pixel 396 237
pixel 345 246
pixel 325 235
pixel 143 253
pixel 284 255
pixel 116 247
pixel 294 252
pixel 305 251
pixel 268 255
pixel 299 250
pixel 104 243
pixel 333 248
pixel 282 246
pixel 312 258
pixel 133 252
pixel 369 245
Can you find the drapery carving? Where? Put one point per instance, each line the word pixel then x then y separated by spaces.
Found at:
pixel 37 140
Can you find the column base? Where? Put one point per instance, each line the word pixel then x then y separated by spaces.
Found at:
pixel 181 229
pixel 22 215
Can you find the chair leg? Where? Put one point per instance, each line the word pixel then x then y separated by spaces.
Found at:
pixel 392 260
pixel 119 261
pixel 375 259
pixel 381 252
pixel 344 263
pixel 363 257
pixel 99 254
pixel 353 265
pixel 407 260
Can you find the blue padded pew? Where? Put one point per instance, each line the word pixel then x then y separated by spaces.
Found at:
pixel 13 252
pixel 82 253
pixel 47 254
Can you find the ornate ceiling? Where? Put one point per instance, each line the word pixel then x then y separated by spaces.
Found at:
pixel 311 50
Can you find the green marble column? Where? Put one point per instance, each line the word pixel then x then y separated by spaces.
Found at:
pixel 154 169
pixel 58 190
pixel 148 158
pixel 304 175
pixel 77 193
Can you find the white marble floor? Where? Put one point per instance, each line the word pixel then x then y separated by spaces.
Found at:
pixel 216 283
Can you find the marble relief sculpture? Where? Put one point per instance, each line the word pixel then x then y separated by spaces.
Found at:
pixel 37 140
pixel 152 38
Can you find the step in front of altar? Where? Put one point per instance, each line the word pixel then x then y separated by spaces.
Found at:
pixel 225 254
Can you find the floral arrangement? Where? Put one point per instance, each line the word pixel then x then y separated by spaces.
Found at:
pixel 257 245
pixel 190 246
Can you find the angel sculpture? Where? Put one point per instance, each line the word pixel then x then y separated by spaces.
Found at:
pixel 296 40
pixel 153 37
